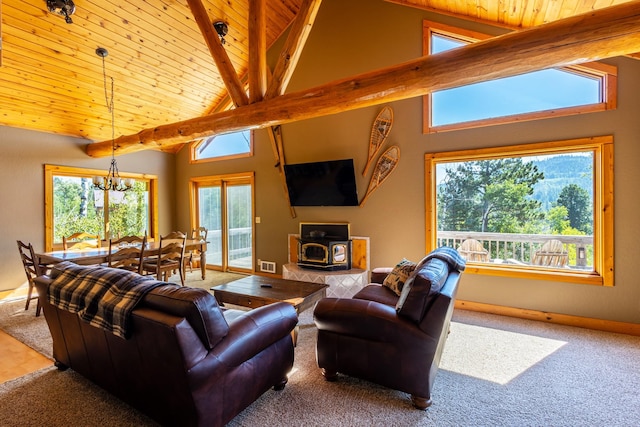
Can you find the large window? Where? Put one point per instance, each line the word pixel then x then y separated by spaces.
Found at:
pixel 73 205
pixel 221 147
pixel 538 210
pixel 545 93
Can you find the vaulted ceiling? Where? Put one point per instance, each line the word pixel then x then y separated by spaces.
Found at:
pixel 169 66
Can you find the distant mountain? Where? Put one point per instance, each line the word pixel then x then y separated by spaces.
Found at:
pixel 560 171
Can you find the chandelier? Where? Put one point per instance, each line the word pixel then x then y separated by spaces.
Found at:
pixel 112 182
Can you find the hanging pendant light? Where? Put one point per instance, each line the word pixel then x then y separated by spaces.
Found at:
pixel 112 182
pixel 65 8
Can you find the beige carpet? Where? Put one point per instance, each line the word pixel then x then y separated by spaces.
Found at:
pixel 496 371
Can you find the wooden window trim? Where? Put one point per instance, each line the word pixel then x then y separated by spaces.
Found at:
pixel 240 178
pixel 607 74
pixel 602 147
pixel 53 170
pixel 233 178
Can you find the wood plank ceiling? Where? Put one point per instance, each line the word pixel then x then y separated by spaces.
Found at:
pixel 515 14
pixel 51 80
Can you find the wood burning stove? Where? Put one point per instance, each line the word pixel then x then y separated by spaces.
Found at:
pixel 324 246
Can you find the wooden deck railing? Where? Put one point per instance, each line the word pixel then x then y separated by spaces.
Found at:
pixel 520 248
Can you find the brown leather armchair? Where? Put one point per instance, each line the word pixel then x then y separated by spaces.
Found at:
pixel 395 341
pixel 186 361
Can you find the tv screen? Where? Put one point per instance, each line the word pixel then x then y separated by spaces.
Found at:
pixel 328 183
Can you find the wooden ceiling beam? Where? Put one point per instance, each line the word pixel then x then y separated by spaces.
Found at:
pixel 491 21
pixel 603 33
pixel 225 67
pixel 257 50
pixel 292 49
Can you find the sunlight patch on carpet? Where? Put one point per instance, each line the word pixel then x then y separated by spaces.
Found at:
pixel 492 354
pixel 16 294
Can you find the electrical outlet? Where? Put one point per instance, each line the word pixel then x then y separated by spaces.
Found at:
pixel 267 266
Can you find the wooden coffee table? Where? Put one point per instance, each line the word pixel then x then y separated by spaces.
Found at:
pixel 256 291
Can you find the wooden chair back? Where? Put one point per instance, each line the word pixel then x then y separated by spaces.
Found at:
pixel 81 240
pixel 32 269
pixel 127 252
pixel 472 250
pixel 199 233
pixel 551 254
pixel 193 256
pixel 169 258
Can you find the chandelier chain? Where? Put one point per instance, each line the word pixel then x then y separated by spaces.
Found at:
pixel 108 99
pixel 112 182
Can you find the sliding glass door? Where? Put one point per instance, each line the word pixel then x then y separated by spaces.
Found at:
pixel 239 230
pixel 224 205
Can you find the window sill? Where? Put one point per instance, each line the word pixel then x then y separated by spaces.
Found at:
pixel 536 273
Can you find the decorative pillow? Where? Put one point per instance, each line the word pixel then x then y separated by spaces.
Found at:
pixel 420 287
pixel 395 280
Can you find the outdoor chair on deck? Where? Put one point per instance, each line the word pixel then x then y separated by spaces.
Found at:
pixel 127 252
pixel 81 240
pixel 551 254
pixel 33 269
pixel 169 258
pixel 472 250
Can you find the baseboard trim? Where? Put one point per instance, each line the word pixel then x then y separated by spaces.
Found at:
pixel 560 319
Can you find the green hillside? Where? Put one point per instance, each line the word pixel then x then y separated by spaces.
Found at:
pixel 560 171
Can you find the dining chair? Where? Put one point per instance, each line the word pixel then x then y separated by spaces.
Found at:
pixel 127 253
pixel 169 258
pixel 33 269
pixel 194 256
pixel 81 240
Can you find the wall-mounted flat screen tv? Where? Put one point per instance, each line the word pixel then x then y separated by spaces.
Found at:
pixel 328 183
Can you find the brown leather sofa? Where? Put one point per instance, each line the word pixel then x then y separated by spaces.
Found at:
pixel 186 361
pixel 395 341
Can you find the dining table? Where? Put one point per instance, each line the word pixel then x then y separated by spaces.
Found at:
pixel 96 256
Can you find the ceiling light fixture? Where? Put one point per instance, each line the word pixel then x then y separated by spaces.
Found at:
pixel 112 182
pixel 65 8
pixel 222 29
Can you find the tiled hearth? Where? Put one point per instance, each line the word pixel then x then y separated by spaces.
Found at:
pixel 342 284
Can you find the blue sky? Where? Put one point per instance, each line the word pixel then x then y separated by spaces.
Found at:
pixel 538 91
pixel 225 145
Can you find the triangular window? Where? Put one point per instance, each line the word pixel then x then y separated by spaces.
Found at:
pixel 226 146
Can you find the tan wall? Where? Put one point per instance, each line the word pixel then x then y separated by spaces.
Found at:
pixel 359 35
pixel 24 154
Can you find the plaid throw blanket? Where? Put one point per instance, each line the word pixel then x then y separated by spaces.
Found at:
pixel 448 255
pixel 101 296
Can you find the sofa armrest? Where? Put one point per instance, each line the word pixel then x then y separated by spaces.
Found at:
pixel 42 284
pixel 364 319
pixel 379 274
pixel 254 331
